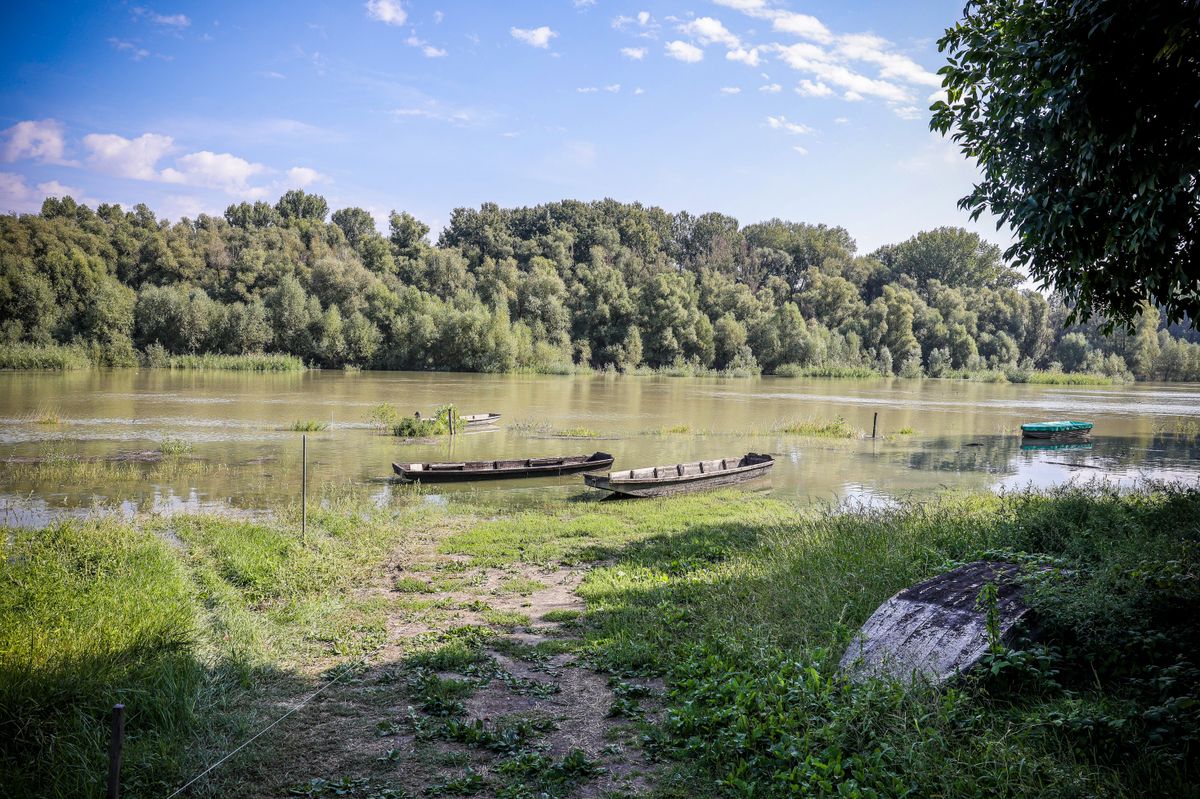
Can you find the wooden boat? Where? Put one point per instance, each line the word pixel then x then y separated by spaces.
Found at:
pixel 501 470
pixel 477 419
pixel 1060 429
pixel 657 481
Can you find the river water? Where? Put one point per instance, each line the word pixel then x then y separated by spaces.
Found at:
pixel 243 457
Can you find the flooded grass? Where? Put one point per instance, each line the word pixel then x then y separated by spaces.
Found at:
pixel 253 362
pixel 576 432
pixel 308 426
pixel 47 416
pixel 819 428
pixel 833 371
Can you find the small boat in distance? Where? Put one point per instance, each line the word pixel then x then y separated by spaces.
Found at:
pixel 1058 430
pixel 501 470
pixel 477 419
pixel 658 481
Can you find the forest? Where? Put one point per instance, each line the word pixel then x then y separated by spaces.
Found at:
pixel 556 288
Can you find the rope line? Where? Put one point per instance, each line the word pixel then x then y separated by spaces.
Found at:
pixel 345 670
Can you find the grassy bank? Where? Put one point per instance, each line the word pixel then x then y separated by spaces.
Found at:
pixel 49 356
pixel 253 362
pixel 742 605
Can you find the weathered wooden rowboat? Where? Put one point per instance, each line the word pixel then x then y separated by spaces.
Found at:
pixel 657 481
pixel 1061 429
pixel 501 470
pixel 476 419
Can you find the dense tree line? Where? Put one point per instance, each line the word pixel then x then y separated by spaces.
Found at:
pixel 602 284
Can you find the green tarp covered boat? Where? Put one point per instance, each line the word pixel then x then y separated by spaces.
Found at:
pixel 1062 429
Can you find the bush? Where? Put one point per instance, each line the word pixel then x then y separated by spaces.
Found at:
pixel 439 425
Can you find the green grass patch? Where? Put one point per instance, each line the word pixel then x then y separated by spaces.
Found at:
pixel 252 362
pixel 746 623
pixel 308 426
pixel 836 371
pixel 524 586
pixel 412 585
pixel 43 356
pixel 561 616
pixel 437 425
pixel 905 431
pixel 819 428
pixel 576 432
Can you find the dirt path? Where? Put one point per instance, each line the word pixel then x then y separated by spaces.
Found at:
pixel 477 691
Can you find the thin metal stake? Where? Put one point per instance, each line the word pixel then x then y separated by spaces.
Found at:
pixel 116 742
pixel 874 424
pixel 304 488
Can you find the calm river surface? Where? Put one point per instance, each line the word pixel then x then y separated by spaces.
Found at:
pixel 966 434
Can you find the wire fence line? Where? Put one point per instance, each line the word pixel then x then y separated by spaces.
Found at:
pixel 345 670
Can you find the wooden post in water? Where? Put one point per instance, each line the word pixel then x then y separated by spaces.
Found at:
pixel 450 416
pixel 116 742
pixel 874 424
pixel 304 488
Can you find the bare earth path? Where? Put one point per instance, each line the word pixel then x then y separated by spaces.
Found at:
pixel 476 691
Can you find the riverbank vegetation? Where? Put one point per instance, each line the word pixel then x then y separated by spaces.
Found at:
pixel 740 604
pixel 558 288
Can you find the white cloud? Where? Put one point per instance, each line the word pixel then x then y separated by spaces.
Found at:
pixel 135 52
pixel 438 16
pixel 302 176
pixel 802 25
pixel 584 3
pixel 37 139
pixel 682 51
pixel 389 12
pixel 427 49
pixel 587 90
pixel 432 109
pixel 771 88
pixel 708 30
pixel 214 170
pixel 908 112
pixel 748 6
pixel 748 57
pixel 781 123
pixel 643 18
pixel 127 158
pixel 800 149
pixel 636 53
pixel 852 97
pixel 809 58
pixel 168 20
pixel 613 88
pixel 15 194
pixel 534 37
pixel 841 120
pixel 639 90
pixel 730 90
pixel 808 88
pixel 876 50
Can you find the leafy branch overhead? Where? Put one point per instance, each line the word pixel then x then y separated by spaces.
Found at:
pixel 1084 118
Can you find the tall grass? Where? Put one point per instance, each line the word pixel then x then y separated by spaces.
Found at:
pixel 43 356
pixel 839 371
pixel 253 362
pixel 91 615
pixel 437 425
pixel 308 426
pixel 821 428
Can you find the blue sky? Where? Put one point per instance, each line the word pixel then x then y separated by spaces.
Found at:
pixel 809 111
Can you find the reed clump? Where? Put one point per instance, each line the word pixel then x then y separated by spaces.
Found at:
pixel 43 356
pixel 819 428
pixel 308 426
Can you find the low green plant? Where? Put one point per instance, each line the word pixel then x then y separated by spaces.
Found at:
pixel 252 362
pixel 174 447
pixel 308 426
pixel 822 428
pixel 438 425
pixel 384 416
pixel 576 432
